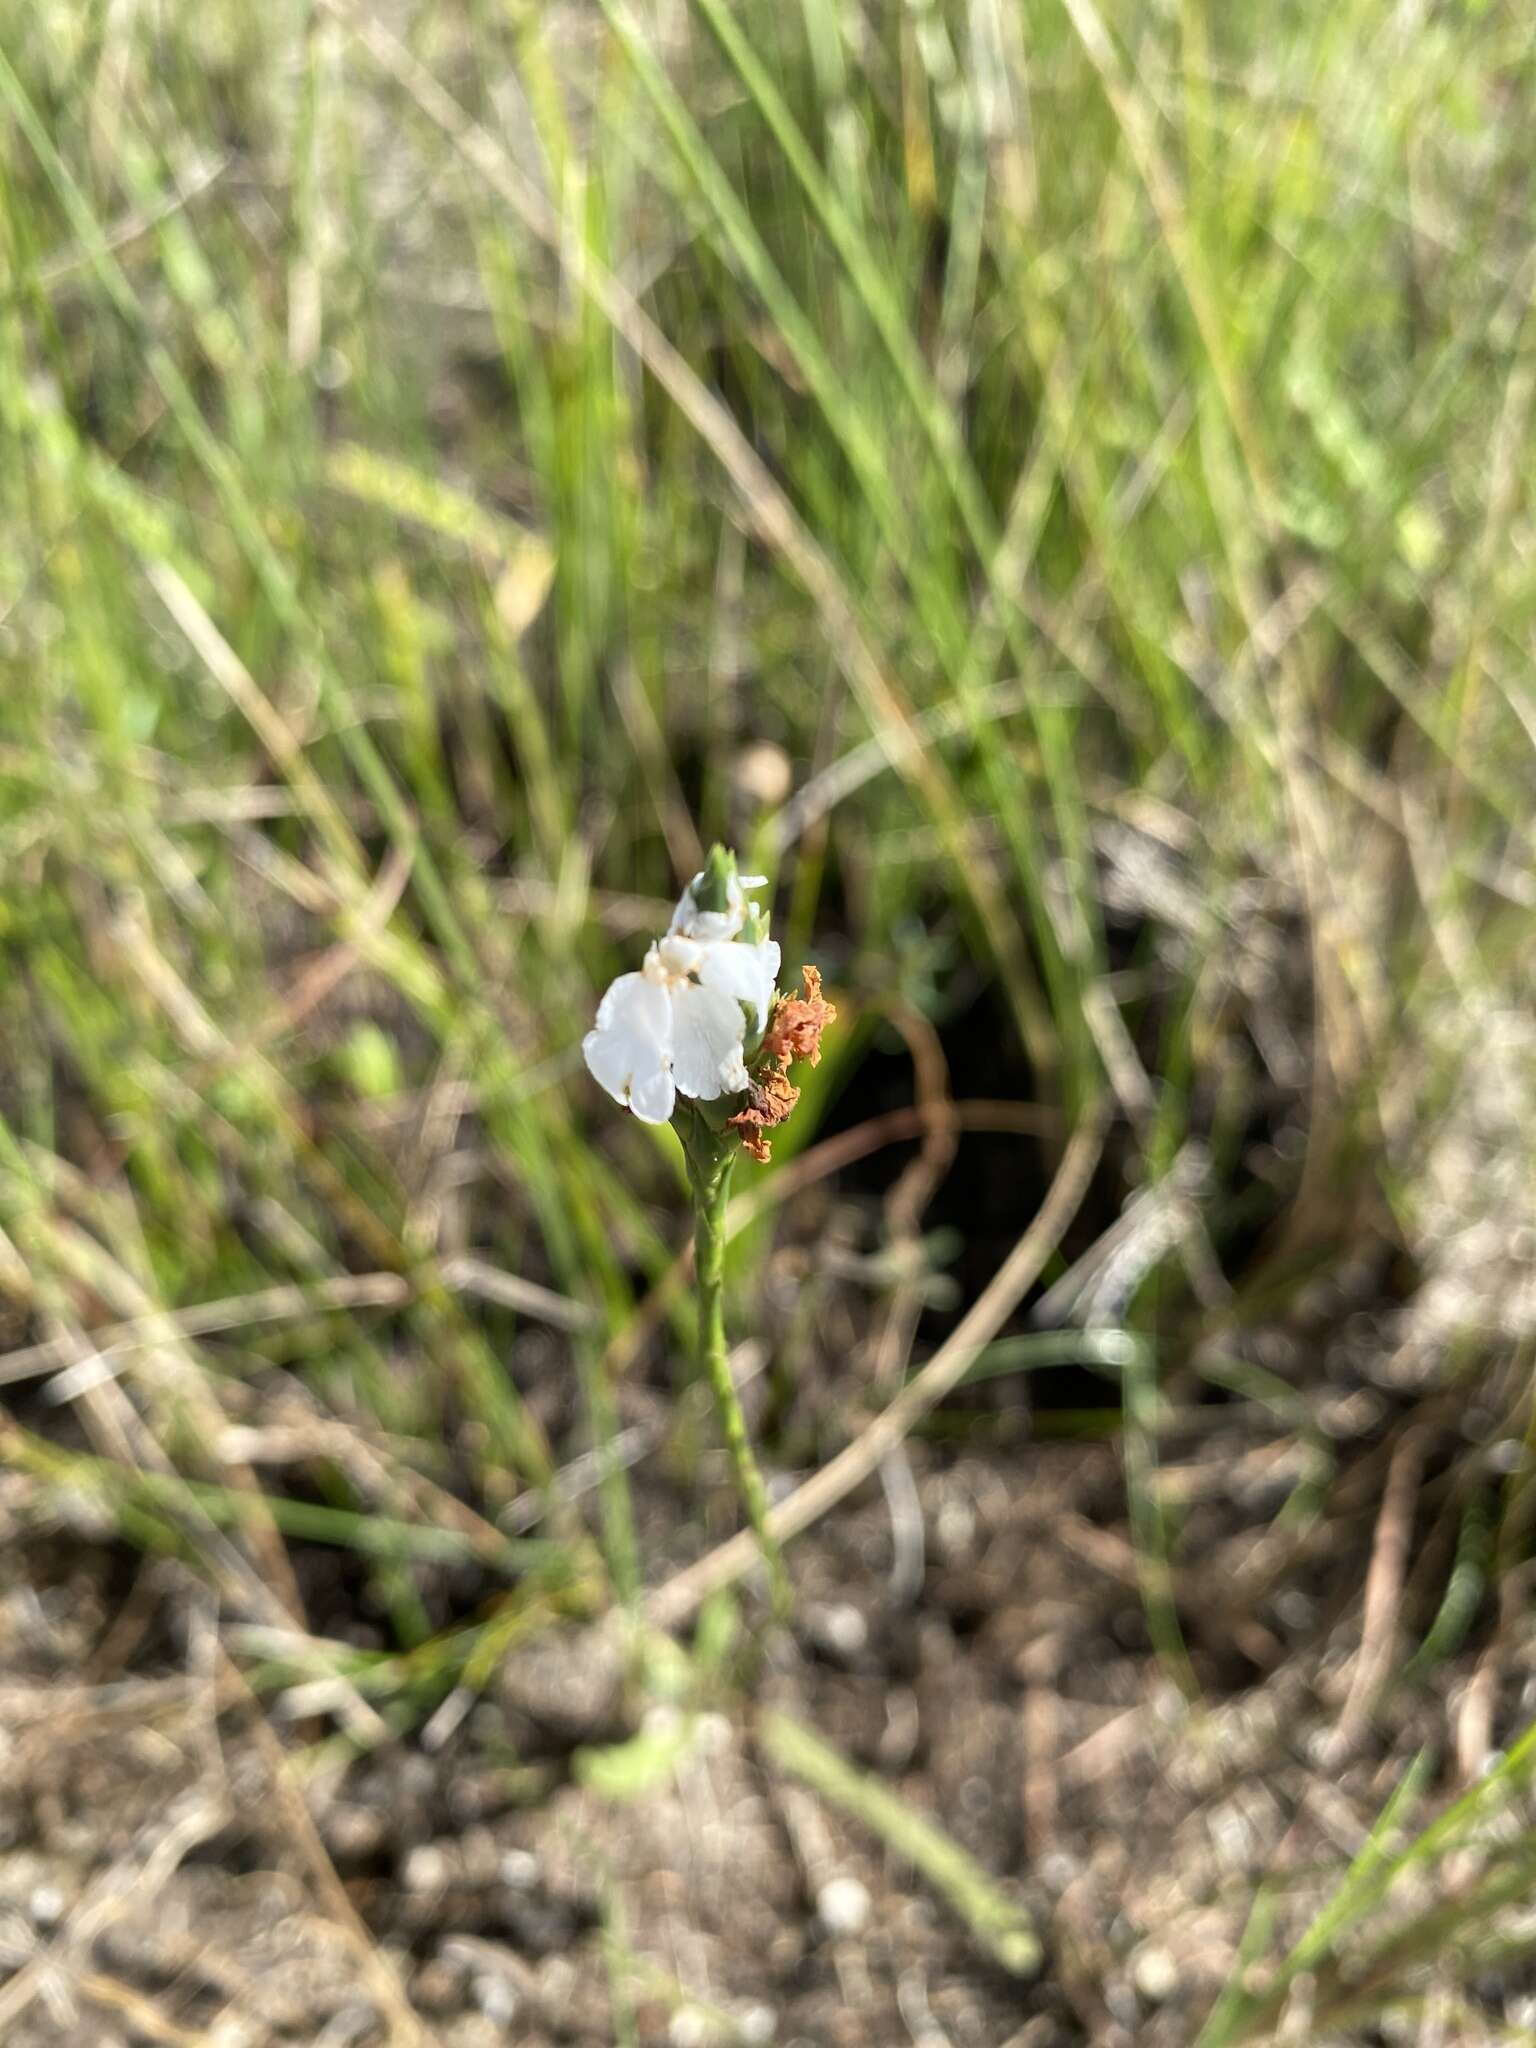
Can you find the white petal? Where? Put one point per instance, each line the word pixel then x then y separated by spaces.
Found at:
pixel 635 1002
pixel 625 1065
pixel 630 1051
pixel 746 972
pixel 710 927
pixel 734 1078
pixel 654 1098
pixel 707 1032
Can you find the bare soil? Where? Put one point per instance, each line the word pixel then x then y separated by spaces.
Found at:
pixel 166 1875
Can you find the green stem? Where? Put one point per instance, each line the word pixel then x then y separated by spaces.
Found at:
pixel 709 1173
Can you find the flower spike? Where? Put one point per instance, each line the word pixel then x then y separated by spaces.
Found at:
pixel 700 1038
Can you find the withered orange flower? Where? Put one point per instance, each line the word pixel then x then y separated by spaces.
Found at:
pixel 797 1022
pixel 770 1098
pixel 794 1033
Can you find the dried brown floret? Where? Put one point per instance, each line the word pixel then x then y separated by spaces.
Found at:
pixel 770 1098
pixel 794 1032
pixel 795 1028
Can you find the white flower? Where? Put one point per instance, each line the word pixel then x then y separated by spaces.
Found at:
pixel 679 1026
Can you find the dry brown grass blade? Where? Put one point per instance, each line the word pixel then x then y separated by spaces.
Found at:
pixel 112 1894
pixel 1383 1591
pixel 282 744
pixel 115 1342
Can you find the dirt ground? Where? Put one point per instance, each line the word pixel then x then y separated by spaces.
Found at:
pixel 167 1878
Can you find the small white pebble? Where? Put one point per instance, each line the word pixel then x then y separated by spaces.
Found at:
pixel 688 2028
pixel 425 1869
pixel 1156 1973
pixel 520 1869
pixel 46 1906
pixel 758 2025
pixel 1294 1609
pixel 843 1906
pixel 839 1628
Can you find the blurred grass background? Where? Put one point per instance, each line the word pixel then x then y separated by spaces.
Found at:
pixel 1051 483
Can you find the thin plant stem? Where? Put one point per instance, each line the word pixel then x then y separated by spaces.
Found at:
pixel 710 1177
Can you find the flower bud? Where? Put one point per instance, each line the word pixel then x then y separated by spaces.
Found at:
pixel 712 889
